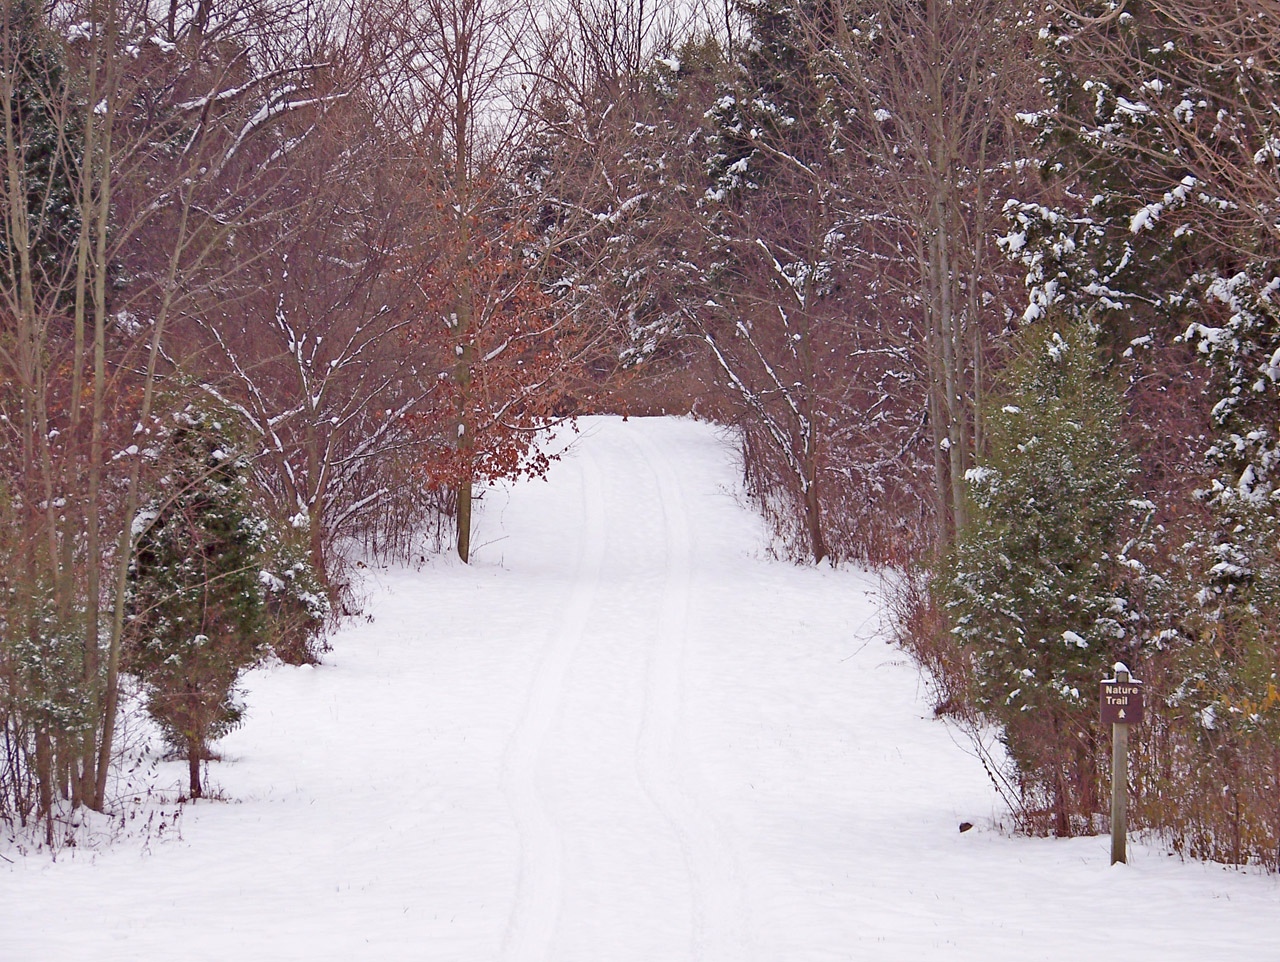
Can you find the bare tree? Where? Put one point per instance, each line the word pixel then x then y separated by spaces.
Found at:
pixel 927 94
pixel 460 70
pixel 315 351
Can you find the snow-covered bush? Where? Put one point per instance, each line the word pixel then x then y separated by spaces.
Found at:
pixel 298 609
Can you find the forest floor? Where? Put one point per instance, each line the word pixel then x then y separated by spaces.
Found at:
pixel 623 733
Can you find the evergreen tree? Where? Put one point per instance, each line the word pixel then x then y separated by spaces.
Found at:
pixel 1038 585
pixel 612 220
pixel 1162 126
pixel 1120 243
pixel 1226 677
pixel 197 599
pixel 1164 142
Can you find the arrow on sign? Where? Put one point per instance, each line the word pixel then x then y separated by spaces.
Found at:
pixel 1121 712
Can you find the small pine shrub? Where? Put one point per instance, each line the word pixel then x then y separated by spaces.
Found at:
pixel 197 601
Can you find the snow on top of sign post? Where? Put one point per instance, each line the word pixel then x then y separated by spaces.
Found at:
pixel 1118 667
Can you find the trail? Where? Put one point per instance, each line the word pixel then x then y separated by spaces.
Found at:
pixel 624 733
pixel 536 908
pixel 615 845
pixel 721 922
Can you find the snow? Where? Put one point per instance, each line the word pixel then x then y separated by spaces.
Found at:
pixel 624 733
pixel 142 520
pixel 1072 638
pixel 1124 106
pixel 1145 218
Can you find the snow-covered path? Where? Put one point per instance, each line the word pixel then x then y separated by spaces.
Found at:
pixel 621 735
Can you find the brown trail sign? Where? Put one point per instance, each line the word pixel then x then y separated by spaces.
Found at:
pixel 1121 702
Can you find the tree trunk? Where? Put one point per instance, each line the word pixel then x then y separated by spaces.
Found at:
pixel 319 556
pixel 465 442
pixel 92 667
pixel 44 776
pixel 464 321
pixel 464 521
pixel 949 323
pixel 813 521
pixel 194 753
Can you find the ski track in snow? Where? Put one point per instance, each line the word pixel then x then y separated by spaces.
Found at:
pixel 537 904
pixel 718 920
pixel 721 922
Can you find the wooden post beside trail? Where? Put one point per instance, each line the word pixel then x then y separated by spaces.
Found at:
pixel 1121 702
pixel 1119 790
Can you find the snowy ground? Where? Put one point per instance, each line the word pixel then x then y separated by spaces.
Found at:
pixel 622 734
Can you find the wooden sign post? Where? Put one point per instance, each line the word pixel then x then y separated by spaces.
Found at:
pixel 1121 701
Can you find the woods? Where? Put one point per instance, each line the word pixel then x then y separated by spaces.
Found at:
pixel 987 292
pixel 219 208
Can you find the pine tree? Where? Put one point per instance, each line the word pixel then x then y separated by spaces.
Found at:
pixel 1226 681
pixel 197 601
pixel 1121 242
pixel 1037 586
pixel 612 221
pixel 1159 125
pixel 767 125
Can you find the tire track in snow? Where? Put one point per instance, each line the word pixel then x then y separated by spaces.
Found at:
pixel 721 921
pixel 536 909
